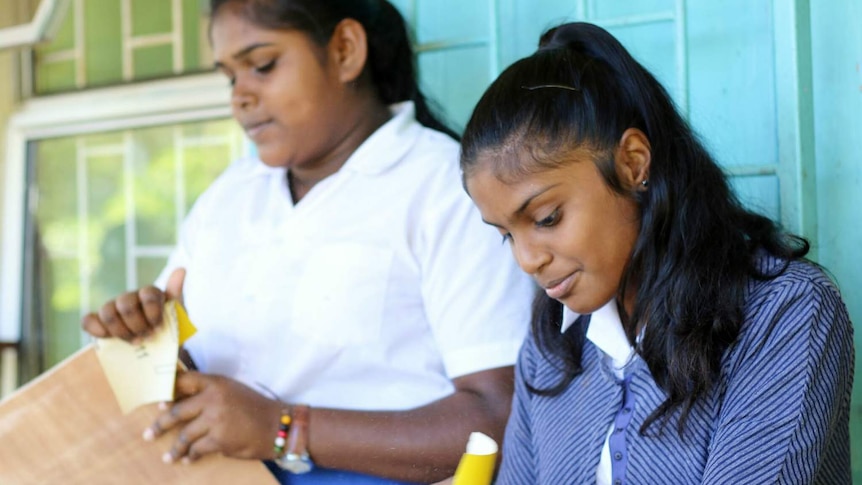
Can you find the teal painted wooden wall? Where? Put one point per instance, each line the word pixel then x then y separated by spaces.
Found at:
pixel 837 88
pixel 774 87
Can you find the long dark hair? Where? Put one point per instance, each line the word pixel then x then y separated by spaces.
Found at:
pixel 391 62
pixel 695 252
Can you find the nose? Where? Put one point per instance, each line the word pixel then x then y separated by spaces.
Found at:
pixel 242 96
pixel 530 255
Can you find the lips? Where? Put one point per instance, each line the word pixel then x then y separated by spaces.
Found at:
pixel 253 129
pixel 557 289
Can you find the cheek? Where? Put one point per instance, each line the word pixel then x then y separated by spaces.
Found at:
pixel 601 240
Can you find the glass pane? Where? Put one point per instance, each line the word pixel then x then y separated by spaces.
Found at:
pixel 154 185
pixel 153 61
pixel 103 42
pixel 108 210
pixel 151 16
pixel 196 52
pixel 149 269
pixel 107 48
pixel 55 76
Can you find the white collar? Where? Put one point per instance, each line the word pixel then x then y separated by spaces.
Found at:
pixel 605 331
pixel 387 145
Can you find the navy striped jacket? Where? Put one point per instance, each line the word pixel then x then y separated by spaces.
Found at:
pixel 779 413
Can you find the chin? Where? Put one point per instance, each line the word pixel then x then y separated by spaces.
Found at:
pixel 582 307
pixel 271 159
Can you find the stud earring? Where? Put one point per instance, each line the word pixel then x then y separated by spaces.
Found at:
pixel 645 183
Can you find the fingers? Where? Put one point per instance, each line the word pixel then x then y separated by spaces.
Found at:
pixel 93 326
pixel 175 415
pixel 174 287
pixel 187 444
pixel 201 447
pixel 131 312
pixel 130 316
pixel 112 322
pixel 189 383
pixel 192 440
pixel 152 303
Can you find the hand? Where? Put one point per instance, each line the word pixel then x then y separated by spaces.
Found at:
pixel 134 315
pixel 217 415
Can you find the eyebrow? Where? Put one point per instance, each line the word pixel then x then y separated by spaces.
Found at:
pixel 245 51
pixel 520 210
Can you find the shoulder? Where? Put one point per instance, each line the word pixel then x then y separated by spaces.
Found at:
pixel 796 286
pixel 800 306
pixel 434 154
pixel 430 175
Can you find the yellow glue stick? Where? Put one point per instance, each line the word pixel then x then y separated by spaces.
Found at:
pixel 477 464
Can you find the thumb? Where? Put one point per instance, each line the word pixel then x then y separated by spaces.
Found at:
pixel 174 288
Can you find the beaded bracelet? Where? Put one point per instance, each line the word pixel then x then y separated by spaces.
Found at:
pixel 281 437
pixel 284 423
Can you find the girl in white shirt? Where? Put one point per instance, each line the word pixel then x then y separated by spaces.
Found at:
pixel 344 269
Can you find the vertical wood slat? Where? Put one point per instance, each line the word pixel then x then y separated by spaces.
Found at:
pixel 795 118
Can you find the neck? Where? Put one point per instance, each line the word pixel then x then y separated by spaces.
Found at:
pixel 369 116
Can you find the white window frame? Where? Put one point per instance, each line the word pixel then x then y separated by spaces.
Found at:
pixel 44 25
pixel 182 99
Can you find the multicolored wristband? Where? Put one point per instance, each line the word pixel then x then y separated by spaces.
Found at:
pixel 281 438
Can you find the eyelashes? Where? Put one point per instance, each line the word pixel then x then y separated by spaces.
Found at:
pixel 551 220
pixel 263 69
pixel 266 67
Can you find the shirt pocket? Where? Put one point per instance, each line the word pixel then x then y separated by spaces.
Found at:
pixel 341 294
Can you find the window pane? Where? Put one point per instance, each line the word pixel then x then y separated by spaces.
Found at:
pixel 101 42
pixel 108 210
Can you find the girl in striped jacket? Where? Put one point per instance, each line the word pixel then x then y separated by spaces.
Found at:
pixel 680 338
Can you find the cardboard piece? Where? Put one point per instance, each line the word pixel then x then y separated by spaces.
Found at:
pixel 145 372
pixel 66 427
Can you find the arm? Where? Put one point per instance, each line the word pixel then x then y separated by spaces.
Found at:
pixel 785 413
pixel 420 445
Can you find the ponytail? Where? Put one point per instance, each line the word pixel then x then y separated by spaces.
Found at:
pixel 391 60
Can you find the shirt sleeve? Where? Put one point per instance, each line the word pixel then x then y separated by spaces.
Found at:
pixel 784 417
pixel 518 465
pixel 476 298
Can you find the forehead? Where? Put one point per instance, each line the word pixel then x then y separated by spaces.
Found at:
pixel 500 185
pixel 497 187
pixel 232 32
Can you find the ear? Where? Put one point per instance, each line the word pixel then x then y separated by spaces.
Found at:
pixel 632 159
pixel 348 49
